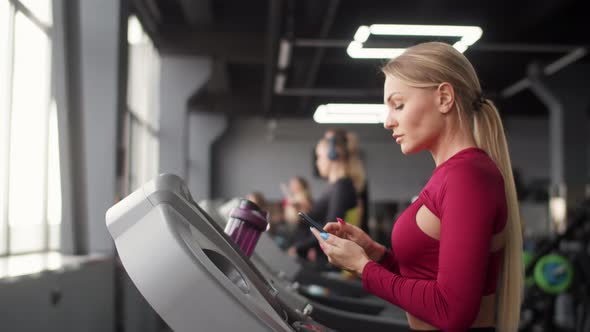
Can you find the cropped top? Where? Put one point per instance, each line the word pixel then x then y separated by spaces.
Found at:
pixel 442 281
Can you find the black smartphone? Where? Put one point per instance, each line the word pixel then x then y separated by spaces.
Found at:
pixel 307 219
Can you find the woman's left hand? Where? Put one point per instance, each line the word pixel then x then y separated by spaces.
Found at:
pixel 343 253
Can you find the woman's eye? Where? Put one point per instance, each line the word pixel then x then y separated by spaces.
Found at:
pixel 399 107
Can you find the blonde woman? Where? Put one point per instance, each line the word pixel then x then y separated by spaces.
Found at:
pixel 455 262
pixel 339 197
pixel 356 170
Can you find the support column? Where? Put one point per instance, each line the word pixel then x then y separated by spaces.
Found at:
pixel 205 129
pixel 180 77
pixel 566 96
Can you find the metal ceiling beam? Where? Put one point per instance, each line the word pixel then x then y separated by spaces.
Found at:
pixel 331 92
pixel 272 40
pixel 550 69
pixel 314 67
pixel 249 47
pixel 229 103
pixel 197 12
pixel 235 47
pixel 484 47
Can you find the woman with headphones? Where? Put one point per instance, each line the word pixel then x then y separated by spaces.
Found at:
pixel 340 196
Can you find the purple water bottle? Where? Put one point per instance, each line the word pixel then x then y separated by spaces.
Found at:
pixel 246 223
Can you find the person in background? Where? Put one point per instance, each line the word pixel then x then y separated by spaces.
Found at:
pixel 338 198
pixel 257 198
pixel 297 197
pixel 358 175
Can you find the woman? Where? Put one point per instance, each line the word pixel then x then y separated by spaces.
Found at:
pixel 356 170
pixel 463 233
pixel 297 198
pixel 337 200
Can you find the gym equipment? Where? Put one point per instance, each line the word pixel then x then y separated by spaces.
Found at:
pixel 189 270
pixel 196 277
pixel 553 273
pixel 559 297
pixel 330 300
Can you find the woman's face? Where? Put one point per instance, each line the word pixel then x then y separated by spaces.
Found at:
pixel 412 115
pixel 322 161
pixel 295 186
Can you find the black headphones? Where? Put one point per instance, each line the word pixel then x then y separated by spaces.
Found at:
pixel 332 153
pixel 340 139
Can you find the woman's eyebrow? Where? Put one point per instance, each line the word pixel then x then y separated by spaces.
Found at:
pixel 391 96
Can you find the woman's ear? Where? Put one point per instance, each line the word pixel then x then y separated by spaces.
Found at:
pixel 446 97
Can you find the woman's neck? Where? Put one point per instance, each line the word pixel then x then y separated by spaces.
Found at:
pixel 337 172
pixel 451 142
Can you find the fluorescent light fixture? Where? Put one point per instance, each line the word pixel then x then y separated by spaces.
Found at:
pixel 362 34
pixel 557 211
pixel 350 113
pixel 355 50
pixel 469 35
pixel 284 54
pixel 280 82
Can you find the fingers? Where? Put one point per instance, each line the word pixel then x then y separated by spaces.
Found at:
pixel 332 227
pixel 328 240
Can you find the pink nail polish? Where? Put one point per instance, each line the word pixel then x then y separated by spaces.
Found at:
pixel 342 222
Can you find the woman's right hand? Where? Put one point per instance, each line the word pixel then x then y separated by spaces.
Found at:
pixel 343 230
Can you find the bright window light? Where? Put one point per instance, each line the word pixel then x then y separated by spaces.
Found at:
pixel 135 34
pixel 41 9
pixel 350 113
pixel 28 136
pixel 469 35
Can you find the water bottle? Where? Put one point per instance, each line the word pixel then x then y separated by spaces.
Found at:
pixel 245 224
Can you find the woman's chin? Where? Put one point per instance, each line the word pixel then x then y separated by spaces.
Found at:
pixel 408 149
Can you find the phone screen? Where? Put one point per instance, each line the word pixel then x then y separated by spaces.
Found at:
pixel 307 219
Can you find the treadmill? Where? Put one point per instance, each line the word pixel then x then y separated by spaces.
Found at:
pixel 195 277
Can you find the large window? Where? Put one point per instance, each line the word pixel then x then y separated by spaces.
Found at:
pixel 30 193
pixel 142 107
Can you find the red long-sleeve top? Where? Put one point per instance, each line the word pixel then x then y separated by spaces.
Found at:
pixel 443 281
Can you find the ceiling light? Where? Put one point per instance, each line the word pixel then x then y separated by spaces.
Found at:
pixel 280 82
pixel 350 113
pixel 284 54
pixel 362 34
pixel 469 35
pixel 355 50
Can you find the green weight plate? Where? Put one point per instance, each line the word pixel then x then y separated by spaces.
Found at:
pixel 553 273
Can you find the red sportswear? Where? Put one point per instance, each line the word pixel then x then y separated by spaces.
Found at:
pixel 442 281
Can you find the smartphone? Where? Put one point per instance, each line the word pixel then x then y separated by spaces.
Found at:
pixel 307 219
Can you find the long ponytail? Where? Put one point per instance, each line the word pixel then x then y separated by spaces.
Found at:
pixel 489 136
pixel 429 64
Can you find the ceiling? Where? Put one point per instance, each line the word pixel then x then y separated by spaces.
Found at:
pixel 243 39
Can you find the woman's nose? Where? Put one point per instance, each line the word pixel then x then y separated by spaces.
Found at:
pixel 390 122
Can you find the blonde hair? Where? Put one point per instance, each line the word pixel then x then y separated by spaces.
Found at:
pixel 429 64
pixel 356 167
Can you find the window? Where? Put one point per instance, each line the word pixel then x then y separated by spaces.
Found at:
pixel 142 107
pixel 30 192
